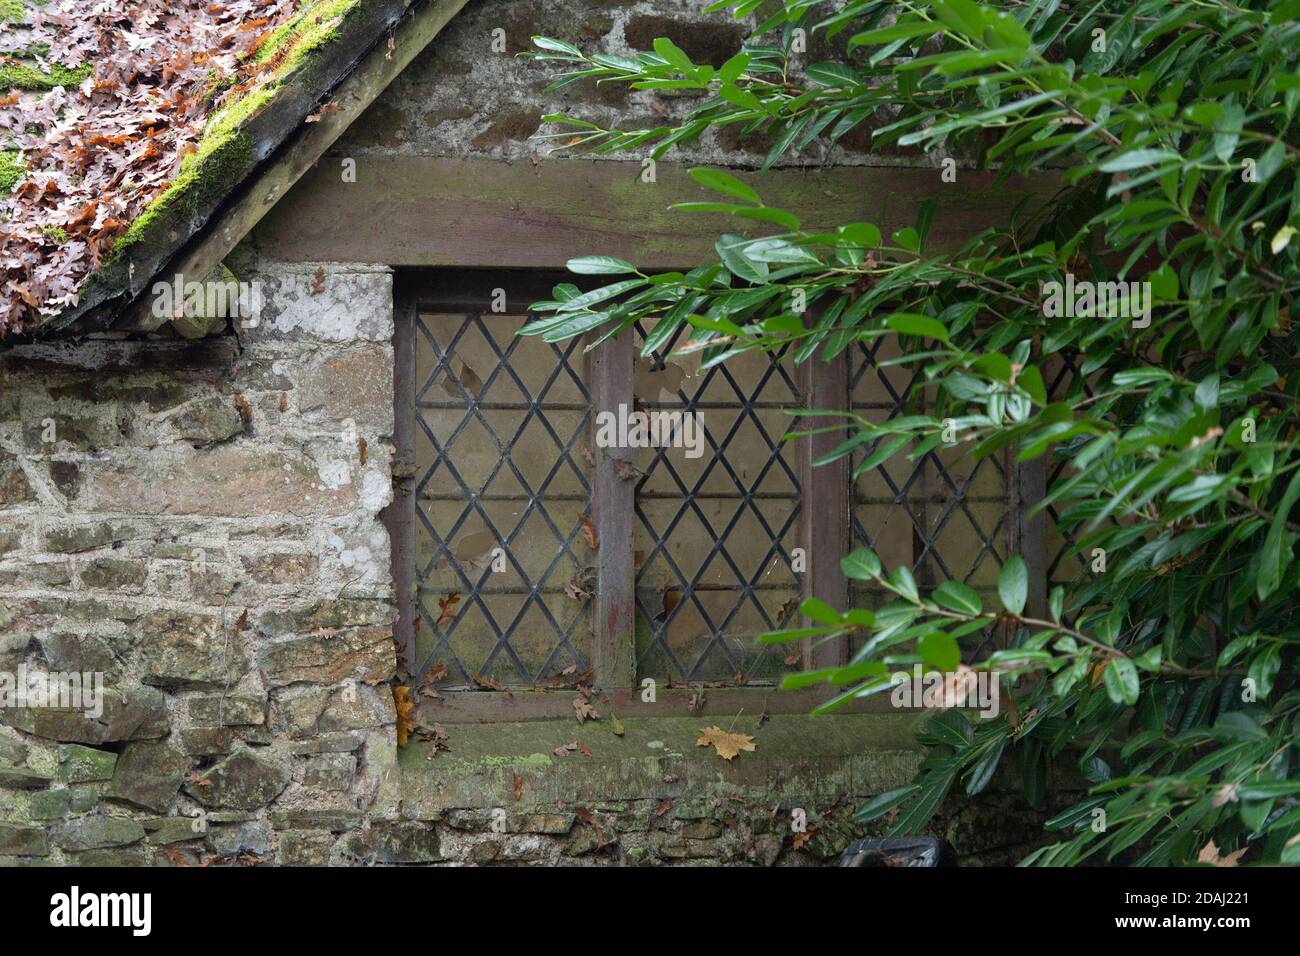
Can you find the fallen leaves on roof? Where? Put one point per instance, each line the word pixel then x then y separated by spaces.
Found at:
pixel 100 102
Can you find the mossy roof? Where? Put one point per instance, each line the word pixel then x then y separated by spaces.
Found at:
pixel 291 65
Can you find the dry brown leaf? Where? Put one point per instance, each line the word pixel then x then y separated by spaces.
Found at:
pixel 361 450
pixel 801 839
pixel 727 744
pixel 446 608
pixel 405 709
pixel 563 749
pixel 664 807
pixel 519 786
pixel 486 683
pixel 626 471
pixel 589 532
pixel 583 710
pixel 1210 854
pixel 318 281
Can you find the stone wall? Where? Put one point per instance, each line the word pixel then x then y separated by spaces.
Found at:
pixel 461 97
pixel 199 522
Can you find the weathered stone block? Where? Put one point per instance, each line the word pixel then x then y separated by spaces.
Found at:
pixel 78 538
pixel 78 764
pixel 132 713
pixel 50 804
pixel 209 420
pixel 355 385
pixel 325 614
pixel 114 574
pixel 367 654
pixel 162 831
pixel 245 780
pixel 251 837
pixel 304 848
pixel 330 771
pixel 190 650
pixel 80 653
pixel 149 773
pixel 347 307
pixel 335 821
pixel 97 832
pixel 405 843
pixel 232 710
pixel 23 841
pixel 14 486
pixel 17 778
pixel 328 743
pixel 280 568
pixel 228 480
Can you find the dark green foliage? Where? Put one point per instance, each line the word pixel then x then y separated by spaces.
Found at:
pixel 1169 677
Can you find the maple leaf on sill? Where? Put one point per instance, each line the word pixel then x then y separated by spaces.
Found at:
pixel 583 710
pixel 727 744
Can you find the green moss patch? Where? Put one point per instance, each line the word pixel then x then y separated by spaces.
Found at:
pixel 204 178
pixel 11 11
pixel 18 75
pixel 315 24
pixel 12 169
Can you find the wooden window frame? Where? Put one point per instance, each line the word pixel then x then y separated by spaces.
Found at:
pixel 824 531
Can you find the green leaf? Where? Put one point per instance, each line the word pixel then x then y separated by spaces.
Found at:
pixel 1237 726
pixel 939 650
pixel 1121 680
pixel 861 234
pixel 908 239
pixel 1275 556
pixel 819 610
pixel 1164 283
pixel 726 184
pixel 1013 584
pixel 982 773
pixel 899 31
pixel 1135 159
pixel 907 323
pixel 673 54
pixel 878 806
pixel 861 565
pixel 599 265
pixel 956 596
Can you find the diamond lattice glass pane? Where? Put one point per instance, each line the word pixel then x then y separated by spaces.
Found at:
pixel 714 534
pixel 500 488
pixel 945 516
